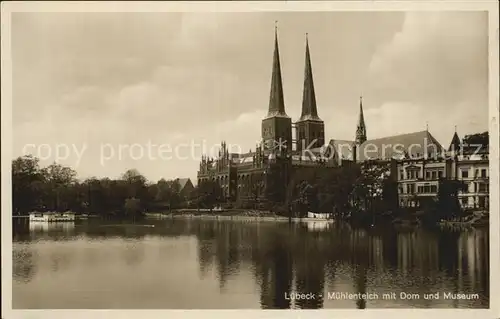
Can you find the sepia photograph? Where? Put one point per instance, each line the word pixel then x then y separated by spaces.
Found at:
pixel 245 158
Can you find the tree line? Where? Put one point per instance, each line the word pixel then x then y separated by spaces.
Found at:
pixel 55 188
pixel 360 192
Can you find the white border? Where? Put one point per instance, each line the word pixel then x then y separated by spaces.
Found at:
pixel 6 96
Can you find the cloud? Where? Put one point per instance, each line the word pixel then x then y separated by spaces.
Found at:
pixel 437 57
pixel 170 78
pixel 434 70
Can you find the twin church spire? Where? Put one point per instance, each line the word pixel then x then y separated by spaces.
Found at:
pixel 309 128
pixel 276 98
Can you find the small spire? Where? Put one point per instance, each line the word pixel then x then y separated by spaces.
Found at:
pixel 427 126
pixel 361 129
pixel 455 142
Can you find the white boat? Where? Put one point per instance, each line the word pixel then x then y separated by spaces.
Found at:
pixel 52 217
pixel 317 217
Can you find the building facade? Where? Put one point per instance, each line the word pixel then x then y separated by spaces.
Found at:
pixel 247 176
pixel 417 162
pixel 473 171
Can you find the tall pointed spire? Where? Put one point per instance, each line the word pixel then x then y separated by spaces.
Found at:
pixel 309 108
pixel 455 142
pixel 276 100
pixel 361 129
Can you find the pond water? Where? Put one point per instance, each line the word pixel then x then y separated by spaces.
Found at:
pixel 202 264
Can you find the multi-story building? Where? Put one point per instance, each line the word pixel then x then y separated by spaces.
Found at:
pixel 416 161
pixel 419 179
pixel 473 171
pixel 245 176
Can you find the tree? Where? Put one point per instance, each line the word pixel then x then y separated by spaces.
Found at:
pixel 208 194
pixel 475 140
pixel 133 207
pixel 59 186
pixel 369 185
pixel 257 187
pixel 27 184
pixel 136 182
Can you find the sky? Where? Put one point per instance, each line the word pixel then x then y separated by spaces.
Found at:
pixel 107 92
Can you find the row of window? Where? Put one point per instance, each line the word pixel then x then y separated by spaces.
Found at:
pixel 420 189
pixel 477 188
pixel 432 189
pixel 415 174
pixel 478 202
pixel 483 173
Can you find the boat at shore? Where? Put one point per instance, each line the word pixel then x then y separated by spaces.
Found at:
pixel 315 217
pixel 49 217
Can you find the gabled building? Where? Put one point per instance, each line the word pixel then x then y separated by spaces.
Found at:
pixel 417 163
pixel 186 186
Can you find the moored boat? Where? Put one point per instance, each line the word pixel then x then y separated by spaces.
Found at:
pixel 48 217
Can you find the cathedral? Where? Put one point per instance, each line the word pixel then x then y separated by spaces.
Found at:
pixel 416 161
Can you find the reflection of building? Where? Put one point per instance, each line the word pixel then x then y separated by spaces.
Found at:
pixel 310 274
pixel 56 227
pixel 276 278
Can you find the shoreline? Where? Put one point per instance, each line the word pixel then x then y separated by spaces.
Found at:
pixel 268 216
pixel 239 217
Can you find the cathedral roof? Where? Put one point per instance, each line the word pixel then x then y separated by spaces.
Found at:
pixel 412 144
pixel 343 148
pixel 183 182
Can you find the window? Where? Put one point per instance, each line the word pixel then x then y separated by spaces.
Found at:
pixel 411 188
pixel 433 188
pixel 427 175
pixel 483 173
pixel 465 202
pixel 434 175
pixel 401 175
pixel 440 174
pixel 420 189
pixel 412 174
pixel 483 187
pixel 465 174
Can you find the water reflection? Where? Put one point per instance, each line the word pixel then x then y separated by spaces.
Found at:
pixel 23 263
pixel 220 259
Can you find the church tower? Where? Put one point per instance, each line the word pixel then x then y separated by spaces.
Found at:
pixel 277 125
pixel 360 132
pixel 310 129
pixel 361 129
